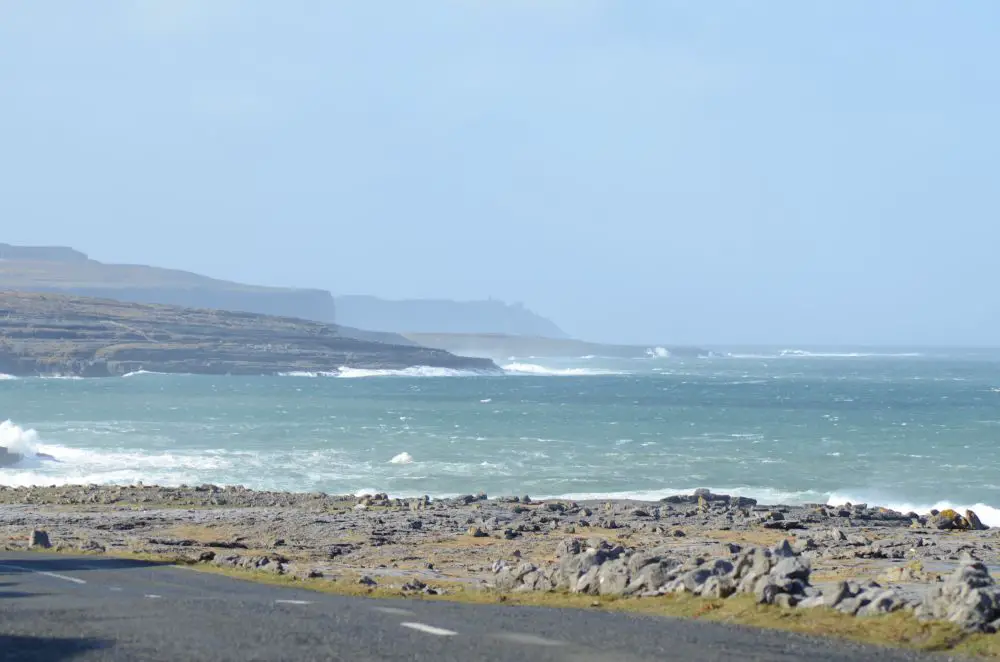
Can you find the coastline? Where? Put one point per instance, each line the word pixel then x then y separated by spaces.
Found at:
pixel 815 569
pixel 462 539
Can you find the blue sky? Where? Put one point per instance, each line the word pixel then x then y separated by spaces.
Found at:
pixel 649 171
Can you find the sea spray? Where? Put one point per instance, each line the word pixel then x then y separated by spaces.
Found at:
pixel 17 439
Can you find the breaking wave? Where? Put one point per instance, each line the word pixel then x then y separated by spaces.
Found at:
pixel 354 373
pixel 534 369
pixel 402 458
pixel 17 439
pixel 415 371
pixel 988 514
pixel 4 377
pixel 658 353
pixel 803 354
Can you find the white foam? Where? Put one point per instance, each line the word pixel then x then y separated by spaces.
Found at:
pixel 5 377
pixel 402 458
pixel 415 371
pixel 990 515
pixel 535 369
pixel 345 372
pixel 17 439
pixel 804 354
pixel 658 353
pixel 137 373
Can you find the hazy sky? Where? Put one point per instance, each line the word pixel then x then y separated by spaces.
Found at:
pixel 643 170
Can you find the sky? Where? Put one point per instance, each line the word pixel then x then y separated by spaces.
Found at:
pixel 653 171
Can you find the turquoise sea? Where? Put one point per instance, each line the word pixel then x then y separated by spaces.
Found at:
pixel 908 429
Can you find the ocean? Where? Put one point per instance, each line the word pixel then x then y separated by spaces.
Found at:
pixel 908 430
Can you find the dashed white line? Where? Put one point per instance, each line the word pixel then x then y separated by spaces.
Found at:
pixel 116 588
pixel 293 602
pixel 152 596
pixel 55 575
pixel 396 611
pixel 429 629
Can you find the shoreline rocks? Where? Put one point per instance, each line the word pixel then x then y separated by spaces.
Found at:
pixel 857 559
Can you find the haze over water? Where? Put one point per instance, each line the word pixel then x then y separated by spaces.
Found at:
pixel 903 429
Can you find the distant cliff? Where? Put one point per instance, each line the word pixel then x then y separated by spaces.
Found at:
pixel 443 316
pixel 60 270
pixel 44 334
pixel 66 271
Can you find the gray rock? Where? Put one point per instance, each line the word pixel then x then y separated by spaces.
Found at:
pixel 852 605
pixel 648 578
pixel 367 581
pixel 722 567
pixel 695 579
pixel 791 568
pixel 811 602
pixel 974 522
pixel 804 545
pixel 40 539
pixel 587 583
pixel 785 600
pixel 568 547
pixel 882 602
pixel 765 590
pixel 837 594
pixel 612 578
pixel 718 587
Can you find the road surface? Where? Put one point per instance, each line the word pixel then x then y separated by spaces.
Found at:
pixel 91 608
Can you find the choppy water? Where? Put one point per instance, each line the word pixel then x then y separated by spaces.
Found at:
pixel 904 430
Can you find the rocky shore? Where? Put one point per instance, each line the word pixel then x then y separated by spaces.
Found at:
pixel 857 559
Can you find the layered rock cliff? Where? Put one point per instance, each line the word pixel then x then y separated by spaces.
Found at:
pixel 44 334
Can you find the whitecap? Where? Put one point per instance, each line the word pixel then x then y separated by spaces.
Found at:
pixel 137 373
pixel 990 515
pixel 402 458
pixel 17 439
pixel 535 369
pixel 415 371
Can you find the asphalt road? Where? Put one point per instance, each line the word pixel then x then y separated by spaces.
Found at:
pixel 66 608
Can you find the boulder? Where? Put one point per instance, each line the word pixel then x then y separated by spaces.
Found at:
pixel 612 578
pixel 968 598
pixel 40 539
pixel 974 522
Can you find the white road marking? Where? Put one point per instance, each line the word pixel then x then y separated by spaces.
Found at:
pixel 293 602
pixel 152 596
pixel 393 610
pixel 116 588
pixel 429 629
pixel 47 574
pixel 532 639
